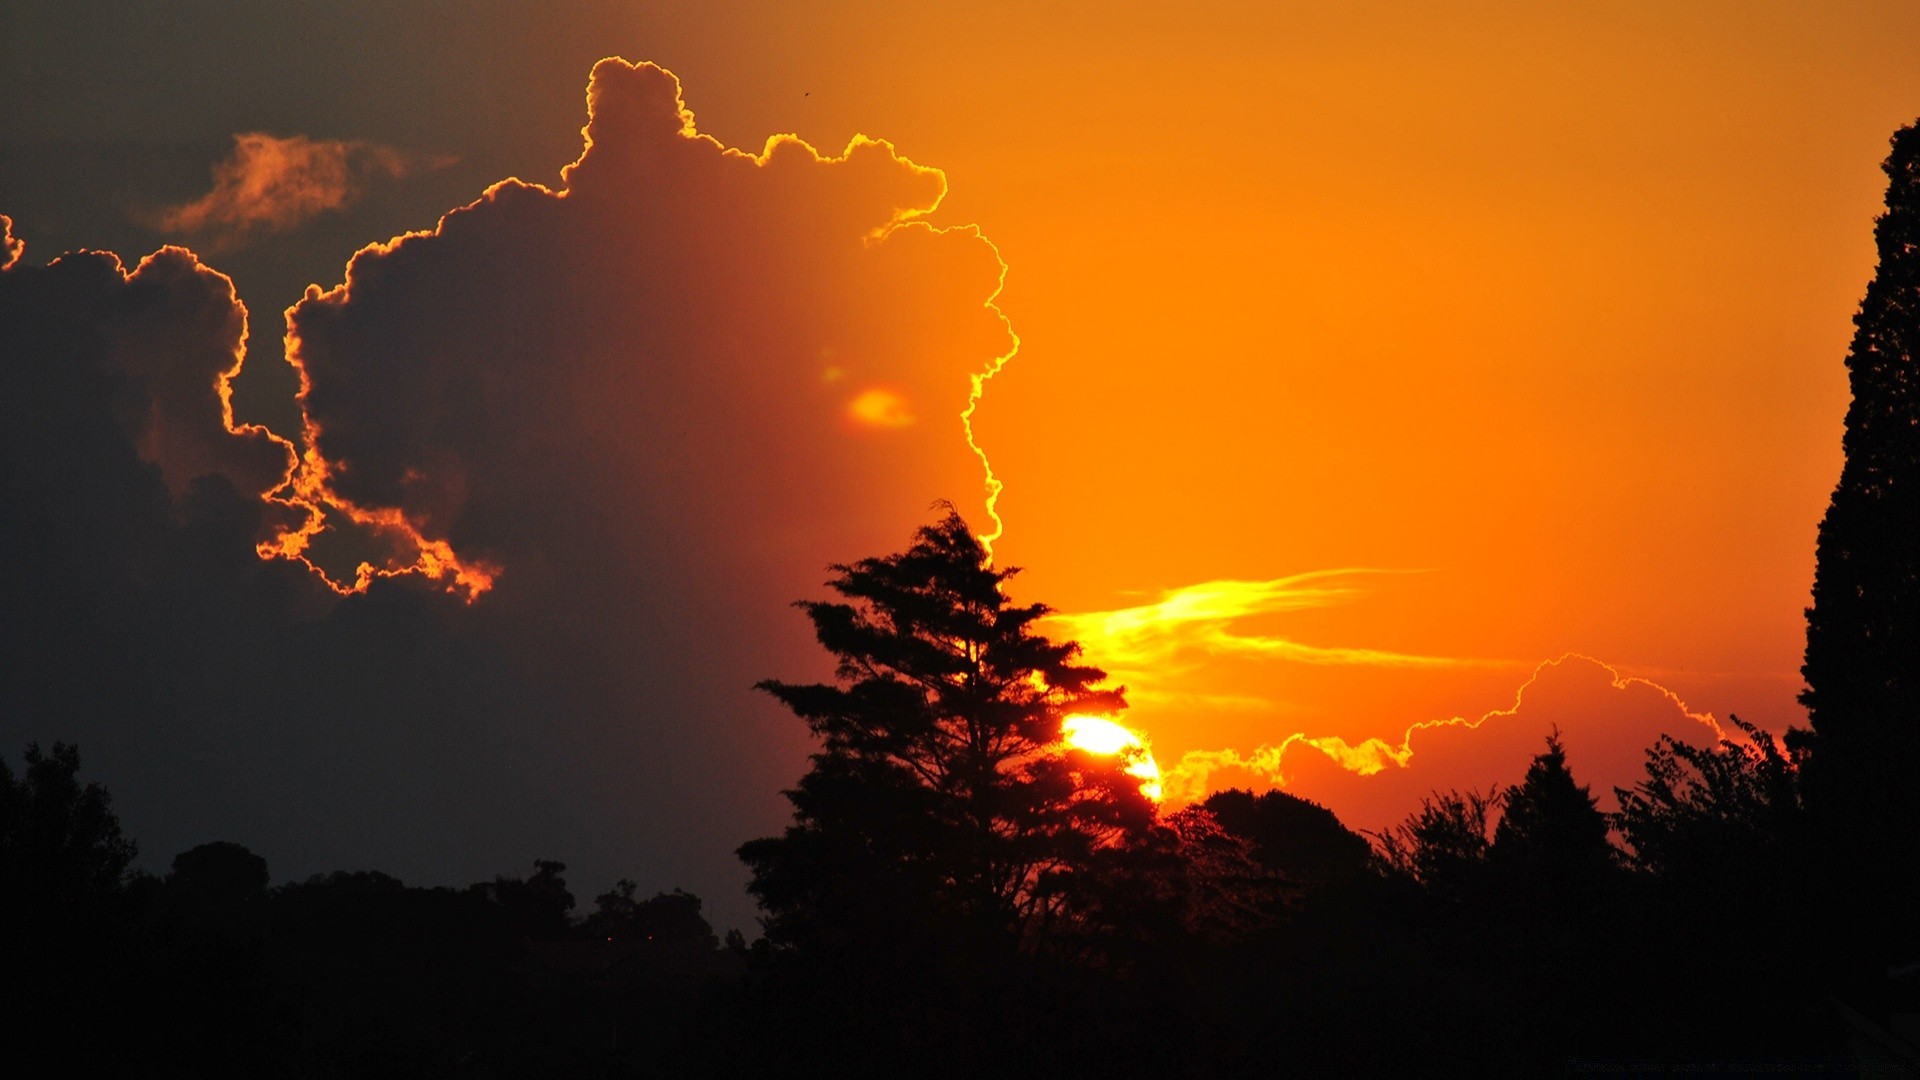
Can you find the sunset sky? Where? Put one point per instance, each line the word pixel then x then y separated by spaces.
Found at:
pixel 1378 365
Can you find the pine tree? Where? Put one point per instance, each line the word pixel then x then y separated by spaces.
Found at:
pixel 941 805
pixel 1551 844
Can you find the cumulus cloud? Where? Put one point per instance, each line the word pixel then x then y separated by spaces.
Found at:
pixel 1607 719
pixel 638 359
pixel 272 184
pixel 162 341
pixel 634 416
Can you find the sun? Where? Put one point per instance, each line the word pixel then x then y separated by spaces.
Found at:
pixel 1098 735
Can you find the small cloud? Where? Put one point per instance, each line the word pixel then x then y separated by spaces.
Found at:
pixel 273 185
pixel 880 408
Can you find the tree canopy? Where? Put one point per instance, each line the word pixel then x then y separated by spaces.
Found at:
pixel 1862 665
pixel 941 794
pixel 1863 630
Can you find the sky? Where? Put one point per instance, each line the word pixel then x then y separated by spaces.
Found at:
pixel 1371 387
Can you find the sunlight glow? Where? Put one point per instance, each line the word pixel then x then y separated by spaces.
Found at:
pixel 1098 735
pixel 880 408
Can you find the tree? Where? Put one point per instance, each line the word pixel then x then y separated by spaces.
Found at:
pixel 1719 836
pixel 220 874
pixel 1298 839
pixel 671 922
pixel 1444 844
pixel 942 809
pixel 1703 810
pixel 540 907
pixel 1551 844
pixel 1862 665
pixel 1225 889
pixel 64 918
pixel 61 853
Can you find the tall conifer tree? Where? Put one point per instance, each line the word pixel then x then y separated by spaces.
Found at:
pixel 1863 630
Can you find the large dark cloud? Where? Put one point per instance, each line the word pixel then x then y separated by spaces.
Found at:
pixel 656 401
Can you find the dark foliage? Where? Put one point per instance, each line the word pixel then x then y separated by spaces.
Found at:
pixel 1550 850
pixel 61 851
pixel 1863 630
pixel 941 789
pixel 1445 845
pixel 1702 809
pixel 1297 840
pixel 944 843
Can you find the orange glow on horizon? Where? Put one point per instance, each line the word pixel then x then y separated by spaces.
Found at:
pixel 1098 735
pixel 1189 780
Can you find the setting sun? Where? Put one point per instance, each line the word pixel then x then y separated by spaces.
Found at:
pixel 1098 735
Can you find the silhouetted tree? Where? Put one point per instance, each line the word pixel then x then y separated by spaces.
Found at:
pixel 211 1007
pixel 1225 890
pixel 667 922
pixel 1445 844
pixel 1863 631
pixel 946 848
pixel 941 793
pixel 1297 839
pixel 1551 845
pixel 1701 810
pixel 540 906
pixel 65 934
pixel 1719 835
pixel 219 874
pixel 61 852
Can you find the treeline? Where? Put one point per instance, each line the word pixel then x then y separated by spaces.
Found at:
pixel 960 894
pixel 209 970
pixel 1514 932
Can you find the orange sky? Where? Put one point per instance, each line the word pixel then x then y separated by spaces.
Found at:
pixel 1545 301
pixel 1547 305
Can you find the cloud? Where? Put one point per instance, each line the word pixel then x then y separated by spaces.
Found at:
pixel 1142 644
pixel 159 343
pixel 641 349
pixel 1607 718
pixel 1174 653
pixel 272 184
pixel 597 411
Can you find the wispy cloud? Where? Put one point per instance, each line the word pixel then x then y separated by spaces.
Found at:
pixel 271 184
pixel 1203 620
